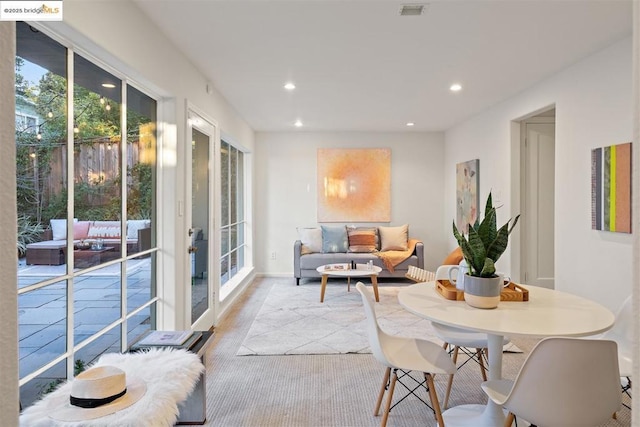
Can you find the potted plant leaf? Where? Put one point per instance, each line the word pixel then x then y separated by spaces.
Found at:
pixel 482 248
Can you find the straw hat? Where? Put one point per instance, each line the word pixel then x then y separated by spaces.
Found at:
pixel 95 393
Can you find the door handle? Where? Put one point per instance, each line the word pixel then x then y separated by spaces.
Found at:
pixel 190 232
pixel 192 249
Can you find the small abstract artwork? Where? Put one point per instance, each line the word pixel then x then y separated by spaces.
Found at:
pixel 611 188
pixel 354 185
pixel 467 197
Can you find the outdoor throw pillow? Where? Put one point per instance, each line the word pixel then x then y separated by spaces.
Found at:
pixel 105 230
pixel 334 239
pixel 311 239
pixel 59 228
pixel 133 225
pixel 362 239
pixel 81 230
pixel 394 238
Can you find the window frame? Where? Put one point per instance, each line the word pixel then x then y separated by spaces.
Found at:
pixel 154 302
pixel 241 220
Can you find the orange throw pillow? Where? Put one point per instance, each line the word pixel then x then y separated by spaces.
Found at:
pixel 454 257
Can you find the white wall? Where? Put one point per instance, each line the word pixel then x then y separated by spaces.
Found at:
pixel 593 101
pixel 635 403
pixel 118 34
pixel 286 189
pixel 8 253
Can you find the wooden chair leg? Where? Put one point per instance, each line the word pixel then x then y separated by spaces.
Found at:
pixel 509 420
pixel 483 370
pixel 387 372
pixel 434 399
pixel 392 387
pixel 450 383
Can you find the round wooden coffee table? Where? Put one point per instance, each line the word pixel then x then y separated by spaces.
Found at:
pixel 344 270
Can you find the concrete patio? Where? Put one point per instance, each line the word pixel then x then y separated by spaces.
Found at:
pixel 42 313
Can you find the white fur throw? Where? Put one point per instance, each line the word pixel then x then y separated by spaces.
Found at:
pixel 171 376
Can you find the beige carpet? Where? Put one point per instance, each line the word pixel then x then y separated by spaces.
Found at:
pixel 336 390
pixel 293 321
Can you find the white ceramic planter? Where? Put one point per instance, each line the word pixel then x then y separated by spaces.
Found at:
pixel 482 292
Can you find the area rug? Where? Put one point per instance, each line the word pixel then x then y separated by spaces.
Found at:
pixel 292 320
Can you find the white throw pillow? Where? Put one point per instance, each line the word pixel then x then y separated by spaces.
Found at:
pixel 394 238
pixel 311 239
pixel 59 228
pixel 133 225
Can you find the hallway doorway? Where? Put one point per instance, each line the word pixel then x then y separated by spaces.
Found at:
pixel 537 179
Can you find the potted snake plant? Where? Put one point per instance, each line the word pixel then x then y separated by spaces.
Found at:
pixel 481 248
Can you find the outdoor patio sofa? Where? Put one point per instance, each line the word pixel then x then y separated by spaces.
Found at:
pixel 52 249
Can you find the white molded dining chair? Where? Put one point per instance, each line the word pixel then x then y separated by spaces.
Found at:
pixel 564 382
pixel 404 355
pixel 473 344
pixel 622 334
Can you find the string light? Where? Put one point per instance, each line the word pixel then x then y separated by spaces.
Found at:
pixel 108 107
pixel 75 128
pixel 38 135
pixel 50 114
pixel 102 100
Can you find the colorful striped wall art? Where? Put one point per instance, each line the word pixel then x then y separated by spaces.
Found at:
pixel 611 188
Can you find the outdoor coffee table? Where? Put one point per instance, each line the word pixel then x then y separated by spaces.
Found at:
pixel 84 258
pixel 345 270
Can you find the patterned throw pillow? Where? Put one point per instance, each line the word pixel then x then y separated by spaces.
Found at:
pixel 334 239
pixel 311 239
pixel 104 230
pixel 362 239
pixel 394 238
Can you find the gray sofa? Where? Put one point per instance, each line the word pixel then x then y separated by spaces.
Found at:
pixel 304 266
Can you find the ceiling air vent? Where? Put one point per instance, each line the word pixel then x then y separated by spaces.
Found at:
pixel 412 9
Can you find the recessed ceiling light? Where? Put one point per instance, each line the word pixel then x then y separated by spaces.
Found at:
pixel 298 123
pixel 410 123
pixel 456 87
pixel 108 85
pixel 289 86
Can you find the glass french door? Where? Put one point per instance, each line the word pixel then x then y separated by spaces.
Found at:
pixel 200 230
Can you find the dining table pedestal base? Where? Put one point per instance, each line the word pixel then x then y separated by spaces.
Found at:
pixel 489 415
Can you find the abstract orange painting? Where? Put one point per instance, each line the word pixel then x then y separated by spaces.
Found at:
pixel 354 185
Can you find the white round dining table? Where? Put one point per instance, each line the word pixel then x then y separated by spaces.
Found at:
pixel 547 313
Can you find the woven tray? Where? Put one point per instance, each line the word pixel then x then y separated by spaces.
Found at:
pixel 511 292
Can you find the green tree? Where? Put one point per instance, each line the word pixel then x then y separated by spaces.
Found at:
pixel 97 121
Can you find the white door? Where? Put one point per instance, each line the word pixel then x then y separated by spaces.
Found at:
pixel 200 230
pixel 538 204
